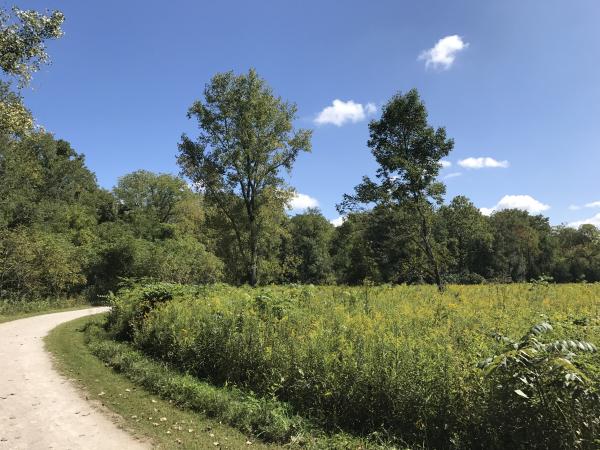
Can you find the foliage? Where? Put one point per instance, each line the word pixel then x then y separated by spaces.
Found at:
pixel 408 152
pixel 531 254
pixel 22 48
pixel 34 264
pixel 399 361
pixel 578 254
pixel 149 202
pixel 468 238
pixel 246 139
pixel 60 234
pixel 15 118
pixel 306 254
pixel 22 52
pixel 545 393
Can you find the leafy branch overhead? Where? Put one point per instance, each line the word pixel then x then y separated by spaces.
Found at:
pixel 22 41
pixel 22 52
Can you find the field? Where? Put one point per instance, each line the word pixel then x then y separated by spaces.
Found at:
pixel 489 366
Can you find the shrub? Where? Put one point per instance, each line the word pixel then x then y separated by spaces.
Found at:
pixel 36 264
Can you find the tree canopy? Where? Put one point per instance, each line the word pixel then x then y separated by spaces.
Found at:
pixel 408 152
pixel 22 52
pixel 246 139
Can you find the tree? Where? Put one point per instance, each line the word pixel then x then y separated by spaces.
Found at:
pixel 523 244
pixel 22 52
pixel 38 264
pixel 578 255
pixel 41 178
pixel 469 238
pixel 246 139
pixel 310 236
pixel 408 152
pixel 152 202
pixel 392 235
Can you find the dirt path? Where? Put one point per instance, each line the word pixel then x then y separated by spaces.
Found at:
pixel 39 409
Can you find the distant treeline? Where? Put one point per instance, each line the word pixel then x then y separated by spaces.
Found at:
pixel 61 234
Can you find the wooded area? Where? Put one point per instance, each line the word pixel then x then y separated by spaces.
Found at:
pixel 61 234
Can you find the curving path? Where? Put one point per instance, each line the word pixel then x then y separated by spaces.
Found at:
pixel 39 409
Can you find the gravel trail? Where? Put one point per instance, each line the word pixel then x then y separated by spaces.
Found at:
pixel 40 409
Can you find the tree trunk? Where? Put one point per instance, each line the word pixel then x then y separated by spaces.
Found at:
pixel 253 269
pixel 425 232
pixel 434 263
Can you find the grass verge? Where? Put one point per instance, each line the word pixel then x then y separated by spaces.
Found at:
pixel 19 310
pixel 268 419
pixel 141 412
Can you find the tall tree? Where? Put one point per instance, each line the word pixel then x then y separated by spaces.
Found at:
pixel 246 139
pixel 408 152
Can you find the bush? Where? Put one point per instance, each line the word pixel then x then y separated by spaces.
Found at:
pixel 36 264
pixel 185 260
pixel 544 396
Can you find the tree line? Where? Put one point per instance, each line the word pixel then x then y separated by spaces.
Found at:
pixel 225 217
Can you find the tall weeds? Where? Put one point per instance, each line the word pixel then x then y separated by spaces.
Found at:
pixel 400 361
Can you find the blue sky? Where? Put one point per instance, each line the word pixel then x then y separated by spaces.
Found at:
pixel 523 91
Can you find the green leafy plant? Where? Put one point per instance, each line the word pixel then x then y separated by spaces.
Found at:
pixel 543 391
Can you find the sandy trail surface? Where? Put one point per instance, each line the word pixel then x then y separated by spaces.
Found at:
pixel 40 409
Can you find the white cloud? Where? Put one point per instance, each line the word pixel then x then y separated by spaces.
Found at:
pixel 482 162
pixel 522 202
pixel 453 175
pixel 302 201
pixel 587 205
pixel 445 164
pixel 338 222
pixel 341 112
pixel 370 108
pixel 595 220
pixel 444 52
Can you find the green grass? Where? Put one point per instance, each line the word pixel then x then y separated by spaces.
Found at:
pixel 142 413
pixel 21 309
